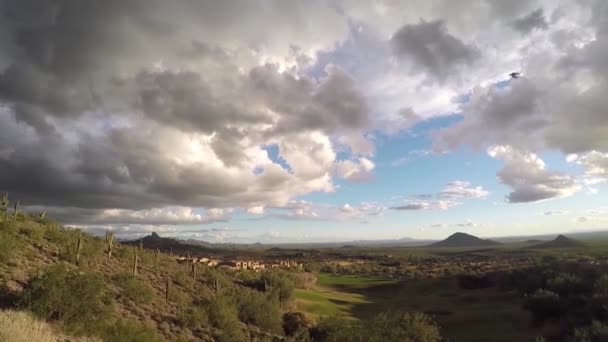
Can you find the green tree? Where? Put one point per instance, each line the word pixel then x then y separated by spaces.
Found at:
pixel 223 315
pixel 79 299
pixel 544 304
pixel 403 327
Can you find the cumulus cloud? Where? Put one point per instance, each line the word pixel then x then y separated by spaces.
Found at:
pixel 528 177
pixel 564 74
pixel 432 49
pixel 595 165
pixel 462 189
pixel 426 205
pixel 446 198
pixel 356 171
pixel 533 20
pixel 121 107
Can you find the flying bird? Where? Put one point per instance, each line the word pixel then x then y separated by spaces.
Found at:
pixel 515 74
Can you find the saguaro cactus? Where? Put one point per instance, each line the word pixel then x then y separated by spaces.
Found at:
pixel 16 209
pixel 135 259
pixel 193 271
pixel 110 242
pixel 4 203
pixel 167 284
pixel 78 248
pixel 157 256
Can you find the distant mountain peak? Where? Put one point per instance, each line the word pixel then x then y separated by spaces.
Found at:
pixel 155 236
pixel 460 239
pixel 561 241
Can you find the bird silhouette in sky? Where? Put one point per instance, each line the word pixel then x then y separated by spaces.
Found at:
pixel 515 74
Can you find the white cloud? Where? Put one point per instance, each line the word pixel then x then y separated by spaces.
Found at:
pixel 426 205
pixel 529 178
pixel 356 171
pixel 554 212
pixel 258 210
pixel 595 166
pixel 462 189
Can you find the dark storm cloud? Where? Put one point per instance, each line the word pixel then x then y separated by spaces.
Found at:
pixel 433 49
pixel 146 104
pixel 530 22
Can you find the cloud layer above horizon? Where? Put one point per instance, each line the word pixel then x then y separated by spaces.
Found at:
pixel 153 113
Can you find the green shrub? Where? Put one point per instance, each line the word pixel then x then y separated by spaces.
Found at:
pixel 133 288
pixel 544 304
pixel 337 329
pixel 566 284
pixel 34 233
pixel 193 317
pixel 259 309
pixel 9 245
pixel 127 331
pixel 223 315
pixel 56 234
pixel 179 297
pixel 407 327
pixel 78 299
pixel 294 322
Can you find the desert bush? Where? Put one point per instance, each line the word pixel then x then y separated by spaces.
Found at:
pixel 337 329
pixel 179 297
pixel 565 284
pixel 33 232
pixel 544 304
pixel 9 245
pixel 596 332
pixel 259 309
pixel 406 327
pixel 183 278
pixel 127 331
pixel 133 288
pixel 193 317
pixel 78 299
pixel 294 322
pixel 223 315
pixel 56 234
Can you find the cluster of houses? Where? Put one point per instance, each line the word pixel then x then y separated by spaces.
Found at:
pixel 240 264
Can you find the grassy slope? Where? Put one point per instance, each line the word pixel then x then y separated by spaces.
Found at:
pixel 41 243
pixel 464 315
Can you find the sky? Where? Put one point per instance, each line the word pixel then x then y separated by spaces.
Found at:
pixel 307 121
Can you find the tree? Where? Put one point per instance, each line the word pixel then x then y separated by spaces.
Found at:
pixel 79 299
pixel 293 322
pixel 544 304
pixel 403 327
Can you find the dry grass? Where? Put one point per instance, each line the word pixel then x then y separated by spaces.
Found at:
pixel 19 326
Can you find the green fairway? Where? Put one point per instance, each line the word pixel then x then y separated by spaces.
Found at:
pixel 464 315
pixel 336 295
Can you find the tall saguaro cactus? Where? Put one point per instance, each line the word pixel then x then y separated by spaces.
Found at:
pixel 135 259
pixel 78 247
pixel 16 209
pixel 167 284
pixel 110 242
pixel 4 203
pixel 194 271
